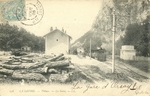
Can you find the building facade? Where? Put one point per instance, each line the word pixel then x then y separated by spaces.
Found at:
pixel 57 42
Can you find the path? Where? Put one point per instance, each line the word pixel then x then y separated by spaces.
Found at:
pixel 101 71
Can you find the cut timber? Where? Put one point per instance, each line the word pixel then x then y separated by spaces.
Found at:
pixel 13 63
pixel 60 58
pixel 52 71
pixel 48 56
pixel 70 67
pixel 6 71
pixel 55 58
pixel 61 78
pixel 39 64
pixel 27 60
pixel 23 66
pixel 57 64
pixel 9 62
pixel 13 67
pixel 29 76
pixel 17 58
pixel 38 70
pixel 16 63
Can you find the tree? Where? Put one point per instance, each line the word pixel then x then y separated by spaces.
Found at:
pixel 11 37
pixel 139 36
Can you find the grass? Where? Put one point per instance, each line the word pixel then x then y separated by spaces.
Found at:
pixel 116 77
pixel 142 65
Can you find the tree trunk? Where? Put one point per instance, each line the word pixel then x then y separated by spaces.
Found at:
pixel 17 58
pixel 60 58
pixel 57 64
pixel 13 67
pixel 61 78
pixel 38 70
pixel 6 71
pixel 52 71
pixel 13 62
pixel 27 60
pixel 55 58
pixel 29 76
pixel 37 65
pixel 23 66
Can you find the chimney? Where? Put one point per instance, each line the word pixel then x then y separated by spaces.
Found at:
pixel 62 29
pixel 65 31
pixel 55 27
pixel 51 29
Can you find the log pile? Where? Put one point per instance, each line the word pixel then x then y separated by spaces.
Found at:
pixel 56 68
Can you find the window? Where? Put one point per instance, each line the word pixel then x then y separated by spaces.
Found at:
pixel 56 39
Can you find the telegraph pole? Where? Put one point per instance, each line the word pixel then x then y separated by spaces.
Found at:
pixel 113 42
pixel 90 47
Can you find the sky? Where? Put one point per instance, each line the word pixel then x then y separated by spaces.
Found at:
pixel 74 16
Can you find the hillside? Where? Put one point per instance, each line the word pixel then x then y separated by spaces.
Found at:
pixel 127 12
pixel 13 37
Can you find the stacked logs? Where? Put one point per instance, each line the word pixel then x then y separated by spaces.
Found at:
pixel 51 69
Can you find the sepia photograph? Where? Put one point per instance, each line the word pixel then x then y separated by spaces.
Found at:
pixel 75 47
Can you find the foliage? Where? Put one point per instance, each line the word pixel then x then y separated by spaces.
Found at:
pixel 140 64
pixel 118 45
pixel 12 37
pixel 73 51
pixel 139 36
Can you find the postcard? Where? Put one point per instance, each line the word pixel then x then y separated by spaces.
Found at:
pixel 75 47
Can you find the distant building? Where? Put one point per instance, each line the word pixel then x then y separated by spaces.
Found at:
pixel 57 41
pixel 80 50
pixel 26 48
pixel 127 52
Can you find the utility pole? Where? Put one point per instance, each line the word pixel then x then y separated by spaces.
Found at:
pixel 113 42
pixel 90 48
